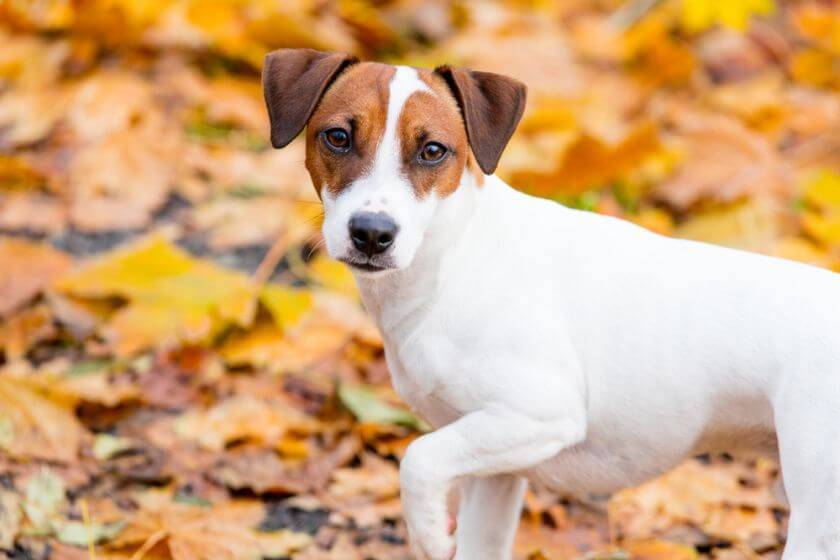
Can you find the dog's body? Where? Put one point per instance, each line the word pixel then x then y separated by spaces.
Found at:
pixel 554 345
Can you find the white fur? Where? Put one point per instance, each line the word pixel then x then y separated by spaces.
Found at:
pixel 590 354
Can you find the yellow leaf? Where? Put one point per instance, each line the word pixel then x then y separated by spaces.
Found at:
pixel 172 297
pixel 820 23
pixel 660 550
pixel 816 67
pixel 333 275
pixel 35 426
pixel 265 345
pixel 822 218
pixel 287 305
pixel 823 190
pixel 698 15
pixel 751 226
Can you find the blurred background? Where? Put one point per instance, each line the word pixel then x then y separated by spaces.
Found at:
pixel 186 376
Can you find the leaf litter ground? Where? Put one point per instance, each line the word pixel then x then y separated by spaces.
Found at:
pixel 186 375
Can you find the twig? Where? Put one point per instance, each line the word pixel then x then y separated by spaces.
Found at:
pixel 153 539
pixel 631 13
pixel 88 528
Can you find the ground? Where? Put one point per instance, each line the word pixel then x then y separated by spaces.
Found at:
pixel 186 375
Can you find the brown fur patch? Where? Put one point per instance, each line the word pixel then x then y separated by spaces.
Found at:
pixel 434 117
pixel 357 102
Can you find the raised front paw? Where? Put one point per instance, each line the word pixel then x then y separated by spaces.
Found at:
pixel 429 538
pixel 430 527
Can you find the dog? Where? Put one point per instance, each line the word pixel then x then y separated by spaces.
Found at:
pixel 544 343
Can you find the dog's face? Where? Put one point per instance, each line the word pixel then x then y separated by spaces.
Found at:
pixel 385 145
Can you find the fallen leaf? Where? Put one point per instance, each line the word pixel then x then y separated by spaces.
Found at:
pixel 45 496
pixel 171 296
pixel 660 550
pixel 34 426
pixel 367 406
pixel 225 531
pixel 80 534
pixel 724 162
pixel 242 418
pixel 28 268
pixel 698 15
pixel 286 305
pixel 10 518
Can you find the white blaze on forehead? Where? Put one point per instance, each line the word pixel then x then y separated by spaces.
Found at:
pixel 405 82
pixel 384 189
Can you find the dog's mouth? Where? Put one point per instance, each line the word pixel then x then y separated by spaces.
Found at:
pixel 366 266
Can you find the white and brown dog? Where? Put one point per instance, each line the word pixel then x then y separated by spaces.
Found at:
pixel 544 343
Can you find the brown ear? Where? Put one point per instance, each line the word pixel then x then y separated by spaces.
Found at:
pixel 491 105
pixel 293 82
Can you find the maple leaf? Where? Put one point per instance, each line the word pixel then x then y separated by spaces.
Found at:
pixel 28 268
pixel 171 296
pixel 225 531
pixel 243 418
pixel 34 425
pixel 698 15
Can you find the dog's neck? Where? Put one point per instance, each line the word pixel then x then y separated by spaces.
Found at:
pixel 394 298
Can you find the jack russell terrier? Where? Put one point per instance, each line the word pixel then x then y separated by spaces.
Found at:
pixel 544 343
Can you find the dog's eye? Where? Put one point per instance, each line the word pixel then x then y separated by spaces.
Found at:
pixel 432 152
pixel 337 139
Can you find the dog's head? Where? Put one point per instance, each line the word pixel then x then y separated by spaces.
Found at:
pixel 387 145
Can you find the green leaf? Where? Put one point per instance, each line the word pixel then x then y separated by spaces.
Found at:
pixel 78 534
pixel 87 367
pixel 366 406
pixel 44 498
pixel 106 446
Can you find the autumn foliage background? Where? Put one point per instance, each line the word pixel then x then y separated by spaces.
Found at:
pixel 186 375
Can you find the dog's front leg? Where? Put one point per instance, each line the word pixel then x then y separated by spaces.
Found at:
pixel 497 439
pixel 488 516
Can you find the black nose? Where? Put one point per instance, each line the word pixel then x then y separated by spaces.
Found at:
pixel 372 233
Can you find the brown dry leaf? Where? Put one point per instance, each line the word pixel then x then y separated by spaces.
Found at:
pixel 375 477
pixel 28 268
pixel 259 470
pixel 724 162
pixel 243 418
pixel 590 162
pixel 23 330
pixel 117 183
pixel 531 49
pixel 128 98
pixel 208 169
pixel 225 531
pixel 535 538
pixel 707 497
pixel 239 221
pixel 30 115
pixel 10 518
pixel 33 212
pixel 33 425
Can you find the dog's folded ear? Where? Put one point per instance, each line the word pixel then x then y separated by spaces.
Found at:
pixel 491 105
pixel 293 82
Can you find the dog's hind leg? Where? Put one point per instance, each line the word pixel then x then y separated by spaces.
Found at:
pixel 488 516
pixel 808 428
